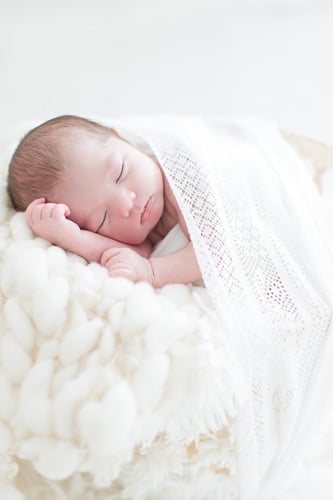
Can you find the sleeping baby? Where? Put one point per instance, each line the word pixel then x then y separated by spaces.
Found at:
pixel 257 233
pixel 91 192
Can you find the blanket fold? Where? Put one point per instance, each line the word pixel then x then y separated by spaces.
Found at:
pixel 264 245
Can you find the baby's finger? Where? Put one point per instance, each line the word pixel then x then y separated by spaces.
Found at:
pixel 33 204
pixel 37 201
pixel 118 269
pixel 46 210
pixel 108 255
pixel 41 212
pixel 33 210
pixel 60 210
pixel 123 272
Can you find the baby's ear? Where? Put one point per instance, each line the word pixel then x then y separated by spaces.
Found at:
pixel 115 131
pixel 120 134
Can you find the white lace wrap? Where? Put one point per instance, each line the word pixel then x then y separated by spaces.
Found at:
pixel 263 245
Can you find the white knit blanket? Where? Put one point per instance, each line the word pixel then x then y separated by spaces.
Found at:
pixel 264 244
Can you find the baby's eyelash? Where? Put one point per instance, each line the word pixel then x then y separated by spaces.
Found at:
pixel 121 172
pixel 103 220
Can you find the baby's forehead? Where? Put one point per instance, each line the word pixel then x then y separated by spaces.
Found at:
pixel 73 141
pixel 77 136
pixel 80 146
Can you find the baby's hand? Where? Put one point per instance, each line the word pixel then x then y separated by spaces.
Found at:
pixel 126 263
pixel 49 221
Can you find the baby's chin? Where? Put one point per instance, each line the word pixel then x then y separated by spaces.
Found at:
pixel 133 239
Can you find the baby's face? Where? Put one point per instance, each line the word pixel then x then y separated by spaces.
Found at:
pixel 112 188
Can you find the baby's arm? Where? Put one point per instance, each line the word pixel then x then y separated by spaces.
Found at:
pixel 49 221
pixel 178 267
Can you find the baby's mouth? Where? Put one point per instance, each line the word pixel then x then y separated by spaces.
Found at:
pixel 146 211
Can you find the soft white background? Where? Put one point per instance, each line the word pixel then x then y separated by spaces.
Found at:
pixel 271 58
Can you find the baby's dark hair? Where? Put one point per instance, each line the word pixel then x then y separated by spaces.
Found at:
pixel 37 165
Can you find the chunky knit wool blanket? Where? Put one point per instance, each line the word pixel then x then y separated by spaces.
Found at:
pixel 108 389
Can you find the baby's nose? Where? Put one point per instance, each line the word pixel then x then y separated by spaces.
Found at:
pixel 128 206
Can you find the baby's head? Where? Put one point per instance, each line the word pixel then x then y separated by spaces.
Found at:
pixel 37 166
pixel 109 185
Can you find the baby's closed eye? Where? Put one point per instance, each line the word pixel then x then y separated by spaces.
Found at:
pixel 103 221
